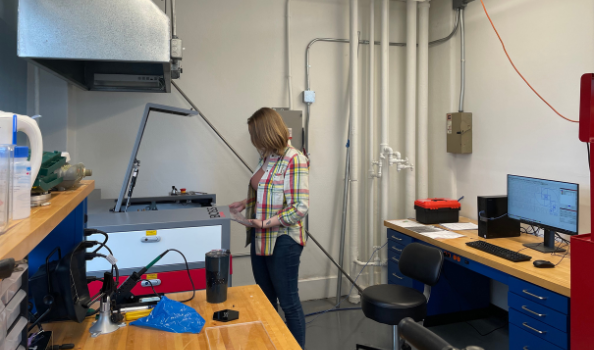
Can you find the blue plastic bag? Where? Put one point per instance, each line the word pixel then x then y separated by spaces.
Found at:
pixel 172 316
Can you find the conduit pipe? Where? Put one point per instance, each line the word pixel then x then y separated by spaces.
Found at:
pixel 423 126
pixel 354 143
pixel 411 102
pixel 462 61
pixel 385 104
pixel 371 219
pixel 289 70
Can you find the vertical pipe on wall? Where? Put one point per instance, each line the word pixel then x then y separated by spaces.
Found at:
pixel 289 71
pixel 423 126
pixel 385 104
pixel 411 101
pixel 355 143
pixel 462 61
pixel 371 220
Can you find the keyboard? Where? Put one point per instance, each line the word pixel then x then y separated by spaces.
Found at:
pixel 498 251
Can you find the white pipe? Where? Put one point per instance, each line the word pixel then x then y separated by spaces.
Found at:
pixel 355 143
pixel 370 263
pixel 411 101
pixel 289 71
pixel 462 61
pixel 423 156
pixel 371 220
pixel 385 104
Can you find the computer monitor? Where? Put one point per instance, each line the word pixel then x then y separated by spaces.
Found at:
pixel 550 205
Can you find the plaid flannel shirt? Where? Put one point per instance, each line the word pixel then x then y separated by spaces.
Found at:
pixel 282 191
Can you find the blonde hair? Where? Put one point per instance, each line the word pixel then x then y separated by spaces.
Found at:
pixel 268 132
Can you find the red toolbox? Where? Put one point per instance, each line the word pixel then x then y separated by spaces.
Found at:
pixel 437 210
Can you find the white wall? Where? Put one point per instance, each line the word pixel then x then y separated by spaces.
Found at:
pixel 514 132
pixel 235 63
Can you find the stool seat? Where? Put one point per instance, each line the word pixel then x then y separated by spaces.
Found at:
pixel 389 303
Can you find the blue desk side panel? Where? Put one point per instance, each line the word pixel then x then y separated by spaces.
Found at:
pixel 459 288
pixel 66 235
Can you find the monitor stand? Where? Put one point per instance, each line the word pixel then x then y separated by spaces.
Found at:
pixel 548 246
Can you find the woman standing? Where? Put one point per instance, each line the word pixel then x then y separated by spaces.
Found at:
pixel 277 202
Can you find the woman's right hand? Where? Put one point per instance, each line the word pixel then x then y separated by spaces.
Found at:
pixel 238 206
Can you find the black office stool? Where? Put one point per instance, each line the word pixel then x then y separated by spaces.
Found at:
pixel 423 339
pixel 390 304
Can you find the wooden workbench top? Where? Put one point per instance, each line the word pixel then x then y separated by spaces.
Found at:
pixel 24 235
pixel 250 301
pixel 556 279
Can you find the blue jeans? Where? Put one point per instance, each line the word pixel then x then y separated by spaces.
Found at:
pixel 278 275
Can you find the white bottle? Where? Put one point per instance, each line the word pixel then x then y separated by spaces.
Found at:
pixel 21 184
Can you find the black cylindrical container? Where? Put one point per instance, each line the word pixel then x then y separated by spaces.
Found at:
pixel 217 275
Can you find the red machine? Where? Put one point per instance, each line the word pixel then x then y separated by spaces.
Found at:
pixel 582 246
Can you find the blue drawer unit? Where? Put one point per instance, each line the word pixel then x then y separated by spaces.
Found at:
pixel 396 277
pixel 538 317
pixel 522 340
pixel 395 248
pixel 539 295
pixel 399 238
pixel 394 257
pixel 542 313
pixel 538 328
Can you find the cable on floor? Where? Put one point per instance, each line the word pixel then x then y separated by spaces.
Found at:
pixel 320 313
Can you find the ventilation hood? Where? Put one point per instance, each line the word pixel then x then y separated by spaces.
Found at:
pixel 100 45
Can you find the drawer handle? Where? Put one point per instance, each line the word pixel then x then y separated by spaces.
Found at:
pixel 398 239
pixel 393 258
pixel 534 329
pixel 396 249
pixel 532 312
pixel 150 239
pixel 534 295
pixel 395 275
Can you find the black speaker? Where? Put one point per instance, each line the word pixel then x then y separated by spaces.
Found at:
pixel 490 208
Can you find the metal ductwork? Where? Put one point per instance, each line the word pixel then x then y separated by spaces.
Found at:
pixel 105 45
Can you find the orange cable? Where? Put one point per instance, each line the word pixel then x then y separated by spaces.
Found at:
pixel 517 71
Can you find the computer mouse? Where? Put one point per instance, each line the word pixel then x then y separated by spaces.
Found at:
pixel 543 264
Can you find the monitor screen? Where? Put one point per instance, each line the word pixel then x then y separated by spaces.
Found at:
pixel 548 204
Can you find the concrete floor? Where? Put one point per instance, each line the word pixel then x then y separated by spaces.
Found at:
pixel 346 329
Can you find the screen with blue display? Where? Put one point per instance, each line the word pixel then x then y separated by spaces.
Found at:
pixel 546 203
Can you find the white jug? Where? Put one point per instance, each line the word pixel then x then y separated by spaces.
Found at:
pixel 10 123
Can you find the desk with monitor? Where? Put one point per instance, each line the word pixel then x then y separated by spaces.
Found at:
pixel 538 298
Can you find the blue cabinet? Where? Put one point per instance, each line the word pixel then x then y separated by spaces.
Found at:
pixel 538 317
pixel 538 312
pixel 458 289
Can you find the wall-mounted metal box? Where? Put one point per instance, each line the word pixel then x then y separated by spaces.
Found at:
pixel 459 132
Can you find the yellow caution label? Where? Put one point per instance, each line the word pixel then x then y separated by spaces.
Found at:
pixel 151 276
pixel 151 233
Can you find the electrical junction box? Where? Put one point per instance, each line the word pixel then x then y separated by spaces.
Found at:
pixel 309 96
pixel 459 132
pixel 294 121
